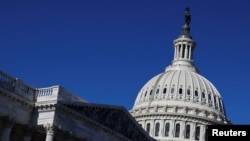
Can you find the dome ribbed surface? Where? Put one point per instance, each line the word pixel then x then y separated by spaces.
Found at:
pixel 180 88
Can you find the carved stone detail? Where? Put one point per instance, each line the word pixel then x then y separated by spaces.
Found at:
pixel 49 128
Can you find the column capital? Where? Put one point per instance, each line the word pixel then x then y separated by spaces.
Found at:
pixel 49 128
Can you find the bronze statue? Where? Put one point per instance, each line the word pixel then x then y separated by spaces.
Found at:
pixel 187 16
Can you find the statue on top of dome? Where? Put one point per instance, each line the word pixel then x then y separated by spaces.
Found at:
pixel 187 16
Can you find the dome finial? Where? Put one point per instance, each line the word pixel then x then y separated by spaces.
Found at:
pixel 186 28
pixel 187 16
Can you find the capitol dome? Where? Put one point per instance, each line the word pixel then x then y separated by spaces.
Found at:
pixel 179 103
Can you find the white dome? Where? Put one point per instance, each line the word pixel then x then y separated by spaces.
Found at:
pixel 180 88
pixel 179 103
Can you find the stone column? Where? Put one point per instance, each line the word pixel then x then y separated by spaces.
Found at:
pixel 7 126
pixel 175 51
pixel 186 52
pixel 171 130
pixel 162 126
pixel 178 51
pixel 49 132
pixel 182 129
pixel 27 134
pixel 193 128
pixel 202 132
pixel 143 124
pixel 189 51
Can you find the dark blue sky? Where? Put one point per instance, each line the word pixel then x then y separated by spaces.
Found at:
pixel 106 50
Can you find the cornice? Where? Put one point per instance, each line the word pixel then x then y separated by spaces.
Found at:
pixel 181 111
pixel 80 116
pixel 116 118
pixel 16 98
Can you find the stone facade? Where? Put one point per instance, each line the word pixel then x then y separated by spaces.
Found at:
pixel 54 114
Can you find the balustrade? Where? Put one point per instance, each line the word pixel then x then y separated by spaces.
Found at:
pixel 45 92
pixel 16 86
pixel 7 81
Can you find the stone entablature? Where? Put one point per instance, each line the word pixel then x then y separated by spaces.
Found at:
pixel 115 118
pixel 15 106
pixel 182 111
pixel 60 117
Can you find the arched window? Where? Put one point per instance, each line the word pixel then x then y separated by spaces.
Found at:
pixel 180 91
pixel 197 133
pixel 196 93
pixel 151 92
pixel 203 95
pixel 157 91
pixel 145 93
pixel 187 133
pixel 177 130
pixel 148 128
pixel 172 90
pixel 157 129
pixel 167 127
pixel 209 96
pixel 188 91
pixel 164 90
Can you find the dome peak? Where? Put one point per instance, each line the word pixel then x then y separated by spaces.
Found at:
pixel 184 47
pixel 186 29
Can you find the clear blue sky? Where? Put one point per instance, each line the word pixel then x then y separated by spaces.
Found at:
pixel 105 50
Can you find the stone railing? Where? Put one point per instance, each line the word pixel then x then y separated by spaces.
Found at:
pixel 17 86
pixel 47 94
pixel 56 93
pixel 43 92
